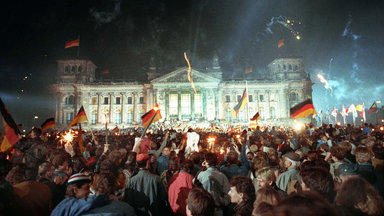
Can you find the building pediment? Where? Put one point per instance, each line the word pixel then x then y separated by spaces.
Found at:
pixel 181 75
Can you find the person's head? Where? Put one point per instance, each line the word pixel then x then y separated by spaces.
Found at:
pixel 166 151
pixel 200 203
pixel 131 159
pixel 356 192
pixel 265 177
pixel 187 165
pixel 363 155
pixel 338 153
pixel 232 157
pixel 105 184
pixel 346 146
pixel 16 175
pixel 60 162
pixel 78 186
pixel 304 204
pixel 45 170
pixel 250 155
pixel 141 160
pixel 318 180
pixel 210 159
pixel 291 159
pixel 268 195
pixel 378 151
pixel 242 190
pixel 173 164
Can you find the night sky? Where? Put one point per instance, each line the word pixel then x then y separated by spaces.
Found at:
pixel 342 40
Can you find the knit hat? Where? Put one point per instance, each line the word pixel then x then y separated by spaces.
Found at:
pixel 78 177
pixel 292 156
pixel 141 157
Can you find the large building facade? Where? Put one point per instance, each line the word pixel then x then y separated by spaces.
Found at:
pixel 122 103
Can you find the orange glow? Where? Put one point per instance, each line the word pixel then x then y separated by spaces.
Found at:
pixel 211 139
pixel 156 108
pixel 382 128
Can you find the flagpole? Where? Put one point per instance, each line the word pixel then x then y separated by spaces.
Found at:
pixel 149 124
pixel 106 129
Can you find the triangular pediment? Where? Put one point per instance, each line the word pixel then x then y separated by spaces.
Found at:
pixel 181 75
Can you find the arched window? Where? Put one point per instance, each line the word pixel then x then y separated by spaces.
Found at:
pixel 66 69
pixel 73 69
pixel 70 100
pixel 79 69
pixel 284 67
pixel 289 67
pixel 296 67
pixel 94 117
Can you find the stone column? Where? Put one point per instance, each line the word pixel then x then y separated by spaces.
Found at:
pixel 192 105
pixel 59 108
pixel 269 104
pixel 204 97
pixel 98 107
pixel 122 107
pixel 179 106
pixel 166 104
pixel 134 106
pixel 110 107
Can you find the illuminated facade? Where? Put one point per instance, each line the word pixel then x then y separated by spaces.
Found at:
pixel 123 103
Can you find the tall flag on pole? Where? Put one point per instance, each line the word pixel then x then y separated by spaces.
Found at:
pixel 49 123
pixel 359 107
pixel 280 43
pixel 73 43
pixel 12 132
pixel 303 109
pixel 334 112
pixel 80 117
pixel 362 114
pixel 256 117
pixel 151 116
pixel 343 113
pixel 241 103
pixel 372 108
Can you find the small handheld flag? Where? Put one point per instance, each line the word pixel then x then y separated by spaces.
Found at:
pixel 151 116
pixel 11 130
pixel 280 43
pixel 256 117
pixel 49 123
pixel 80 117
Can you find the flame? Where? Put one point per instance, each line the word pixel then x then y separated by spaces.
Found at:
pixel 189 73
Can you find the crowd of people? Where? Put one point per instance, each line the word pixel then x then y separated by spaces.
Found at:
pixel 327 170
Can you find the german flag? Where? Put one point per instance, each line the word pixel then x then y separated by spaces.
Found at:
pixel 12 132
pixel 80 117
pixel 303 109
pixel 151 116
pixel 49 123
pixel 241 103
pixel 256 117
pixel 115 130
pixel 74 43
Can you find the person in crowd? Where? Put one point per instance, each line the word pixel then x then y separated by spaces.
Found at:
pixel 179 186
pixel 378 160
pixel 173 168
pixel 267 197
pixel 356 197
pixel 215 182
pixel 304 204
pixel 231 164
pixel 290 161
pixel 76 201
pixel 318 180
pixel 258 162
pixel 146 192
pixel 266 177
pixel 162 163
pixel 337 155
pixel 200 203
pixel 243 194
